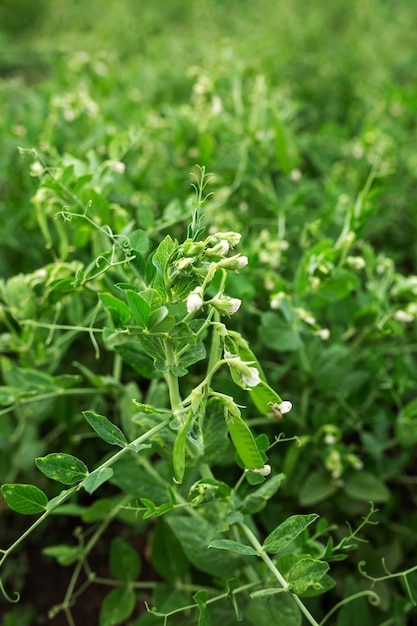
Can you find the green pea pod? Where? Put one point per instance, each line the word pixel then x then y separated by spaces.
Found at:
pixel 178 455
pixel 244 442
pixel 264 397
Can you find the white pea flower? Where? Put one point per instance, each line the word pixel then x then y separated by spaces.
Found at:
pixel 233 305
pixel 276 300
pixel 295 175
pixel 356 262
pixel 226 305
pixel 251 378
pixel 403 316
pixel 242 262
pixel 323 333
pixel 285 406
pixel 119 167
pixel 263 471
pixel 194 302
pixel 220 249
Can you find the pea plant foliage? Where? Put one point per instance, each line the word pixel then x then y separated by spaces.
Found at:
pixel 179 461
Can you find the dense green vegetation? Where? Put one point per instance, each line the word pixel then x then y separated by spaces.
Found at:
pixel 111 232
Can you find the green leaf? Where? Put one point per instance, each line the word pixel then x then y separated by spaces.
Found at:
pixel 167 555
pixel 208 489
pixel 365 486
pixel 233 546
pixel 134 355
pixel 192 355
pixel 139 240
pixel 306 573
pixel 214 431
pixel 194 535
pixel 273 609
pixel 201 598
pixel 124 561
pixel 406 425
pixel 105 429
pixel 97 478
pixel 286 532
pixel 149 408
pixel 139 308
pixel 162 255
pixel 9 394
pixel 117 606
pixel 25 499
pixel 118 310
pixel 254 502
pixel 276 334
pixel 317 487
pixel 64 468
pixel 65 555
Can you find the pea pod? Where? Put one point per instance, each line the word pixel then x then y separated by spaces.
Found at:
pixel 178 456
pixel 244 442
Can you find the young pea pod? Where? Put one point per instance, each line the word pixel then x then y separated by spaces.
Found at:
pixel 179 451
pixel 244 442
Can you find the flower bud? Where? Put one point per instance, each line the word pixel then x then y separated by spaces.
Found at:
pixel 226 305
pixel 234 262
pixel 220 249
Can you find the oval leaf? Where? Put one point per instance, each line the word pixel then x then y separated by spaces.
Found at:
pixel 117 606
pixel 109 432
pixel 25 499
pixel 233 546
pixel 286 532
pixel 365 486
pixel 306 573
pixel 64 468
pixel 124 561
pixel 97 478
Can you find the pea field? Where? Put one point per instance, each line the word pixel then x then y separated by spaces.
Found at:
pixel 208 313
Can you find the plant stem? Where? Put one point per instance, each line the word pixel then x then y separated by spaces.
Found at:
pixel 280 578
pixel 172 381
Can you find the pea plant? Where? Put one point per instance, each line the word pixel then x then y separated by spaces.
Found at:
pixel 189 472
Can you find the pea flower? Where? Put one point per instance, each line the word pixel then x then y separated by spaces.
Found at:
pixel 220 249
pixel 194 302
pixel 234 262
pixel 285 406
pixel 403 316
pixel 323 333
pixel 263 471
pixel 226 305
pixel 251 378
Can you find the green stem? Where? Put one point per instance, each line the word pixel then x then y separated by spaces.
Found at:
pixel 65 495
pixel 277 574
pixel 172 381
